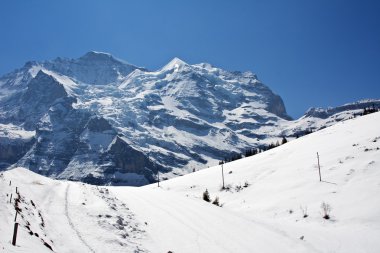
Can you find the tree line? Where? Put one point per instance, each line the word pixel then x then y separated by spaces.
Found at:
pixel 369 110
pixel 253 151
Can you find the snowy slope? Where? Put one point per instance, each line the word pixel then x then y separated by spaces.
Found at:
pixel 284 180
pixel 264 216
pixel 75 217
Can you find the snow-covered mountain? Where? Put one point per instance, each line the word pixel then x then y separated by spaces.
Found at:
pixel 319 118
pixel 272 202
pixel 101 120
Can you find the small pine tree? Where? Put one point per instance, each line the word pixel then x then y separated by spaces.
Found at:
pixel 206 196
pixel 308 131
pixel 284 140
pixel 249 152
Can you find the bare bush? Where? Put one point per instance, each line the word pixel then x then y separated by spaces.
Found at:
pixel 216 201
pixel 304 211
pixel 326 209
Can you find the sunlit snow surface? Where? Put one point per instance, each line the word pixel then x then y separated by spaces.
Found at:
pixel 264 216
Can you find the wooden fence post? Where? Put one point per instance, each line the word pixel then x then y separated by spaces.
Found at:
pixel 10 199
pixel 15 234
pixel 319 169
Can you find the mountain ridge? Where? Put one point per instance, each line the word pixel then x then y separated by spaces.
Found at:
pixel 176 119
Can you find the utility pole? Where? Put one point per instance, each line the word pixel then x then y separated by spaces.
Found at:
pixel 223 176
pixel 319 169
pixel 158 178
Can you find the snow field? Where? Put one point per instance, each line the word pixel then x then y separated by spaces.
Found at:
pixel 283 180
pixel 262 209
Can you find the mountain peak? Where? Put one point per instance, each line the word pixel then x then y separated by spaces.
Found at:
pixel 175 63
pixel 95 55
pixel 94 67
pixel 102 57
pixel 43 74
pixel 177 60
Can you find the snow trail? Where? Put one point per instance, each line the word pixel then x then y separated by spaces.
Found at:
pixel 70 221
pixel 202 222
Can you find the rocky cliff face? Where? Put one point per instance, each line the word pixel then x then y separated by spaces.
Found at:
pixel 57 140
pixel 101 120
pixel 13 144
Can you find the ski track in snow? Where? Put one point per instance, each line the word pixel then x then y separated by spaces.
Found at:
pixel 180 214
pixel 71 223
pixel 178 218
pixel 280 232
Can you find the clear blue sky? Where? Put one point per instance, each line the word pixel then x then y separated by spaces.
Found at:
pixel 311 53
